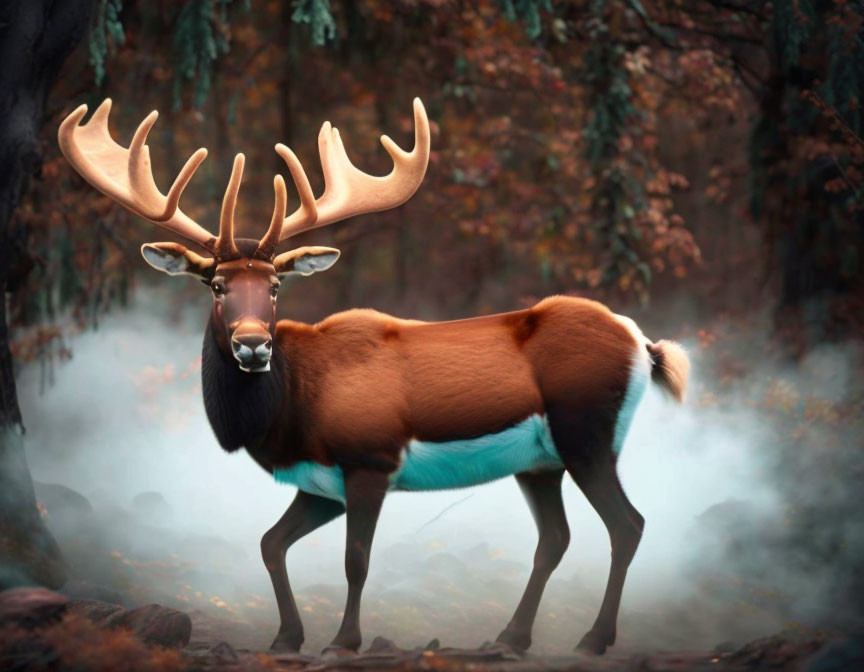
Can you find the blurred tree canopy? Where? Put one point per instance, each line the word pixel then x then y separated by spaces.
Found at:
pixel 622 149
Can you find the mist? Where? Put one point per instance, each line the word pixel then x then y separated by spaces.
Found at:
pixel 124 421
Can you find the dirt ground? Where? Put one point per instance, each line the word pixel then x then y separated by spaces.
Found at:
pixel 788 650
pixel 44 630
pixel 438 603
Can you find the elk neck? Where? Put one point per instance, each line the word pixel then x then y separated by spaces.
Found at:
pixel 243 408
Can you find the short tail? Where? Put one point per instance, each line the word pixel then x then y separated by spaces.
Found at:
pixel 670 368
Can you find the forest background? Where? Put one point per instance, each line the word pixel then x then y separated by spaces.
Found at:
pixel 698 165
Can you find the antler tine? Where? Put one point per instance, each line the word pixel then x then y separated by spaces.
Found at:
pixel 307 214
pixel 268 243
pixel 183 178
pixel 139 162
pixel 140 169
pixel 125 175
pixel 100 116
pixel 225 248
pixel 349 191
pixel 414 163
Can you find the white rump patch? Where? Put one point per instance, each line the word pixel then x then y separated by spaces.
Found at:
pixel 640 375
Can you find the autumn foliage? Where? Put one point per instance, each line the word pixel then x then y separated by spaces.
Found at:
pixel 613 148
pixel 74 643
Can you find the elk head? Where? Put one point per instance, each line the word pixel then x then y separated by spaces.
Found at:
pixel 243 274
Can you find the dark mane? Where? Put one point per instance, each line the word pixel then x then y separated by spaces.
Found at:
pixel 241 407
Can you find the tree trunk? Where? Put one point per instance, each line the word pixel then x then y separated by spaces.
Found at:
pixel 36 37
pixel 815 234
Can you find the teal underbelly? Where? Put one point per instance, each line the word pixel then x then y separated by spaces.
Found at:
pixel 426 465
pixel 314 478
pixel 457 464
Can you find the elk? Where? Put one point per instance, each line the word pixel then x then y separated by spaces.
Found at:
pixel 363 403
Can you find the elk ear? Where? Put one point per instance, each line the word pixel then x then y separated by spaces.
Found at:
pixel 174 259
pixel 305 260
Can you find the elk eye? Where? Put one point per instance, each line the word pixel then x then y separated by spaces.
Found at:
pixel 274 290
pixel 218 288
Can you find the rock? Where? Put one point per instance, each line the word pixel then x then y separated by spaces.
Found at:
pixel 79 589
pixel 781 651
pixel 724 648
pixel 382 645
pixel 841 654
pixel 488 652
pixel 30 554
pixel 31 607
pixel 153 623
pixel 224 653
pixel 156 624
pixel 99 613
pixel 60 500
pixel 218 551
pixel 724 514
pixel 434 645
pixel 152 506
pixel 208 630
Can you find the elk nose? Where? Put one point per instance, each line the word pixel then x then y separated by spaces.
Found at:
pixel 252 351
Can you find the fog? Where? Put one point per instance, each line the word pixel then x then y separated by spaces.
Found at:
pixel 125 417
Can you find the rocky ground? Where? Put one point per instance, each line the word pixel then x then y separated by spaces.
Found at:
pixel 44 630
pixel 217 615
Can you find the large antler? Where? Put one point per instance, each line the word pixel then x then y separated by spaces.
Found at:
pixel 125 175
pixel 349 191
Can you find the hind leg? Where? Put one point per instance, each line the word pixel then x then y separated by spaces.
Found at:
pixel 543 493
pixel 585 445
pixel 624 524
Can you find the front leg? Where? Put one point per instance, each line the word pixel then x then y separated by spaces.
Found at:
pixel 364 493
pixel 306 513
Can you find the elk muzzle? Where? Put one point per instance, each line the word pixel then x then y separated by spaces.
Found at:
pixel 252 346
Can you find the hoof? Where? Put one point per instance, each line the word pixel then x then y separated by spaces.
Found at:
pixel 519 642
pixel 593 643
pixel 334 651
pixel 285 644
pixel 501 651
